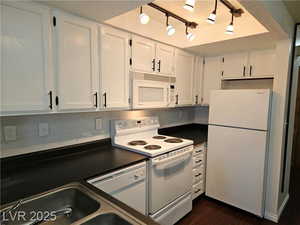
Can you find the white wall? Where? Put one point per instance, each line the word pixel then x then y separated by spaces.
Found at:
pixel 73 128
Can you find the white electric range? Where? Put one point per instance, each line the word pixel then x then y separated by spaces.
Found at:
pixel 169 166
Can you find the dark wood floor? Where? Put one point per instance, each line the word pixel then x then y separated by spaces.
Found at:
pixel 210 212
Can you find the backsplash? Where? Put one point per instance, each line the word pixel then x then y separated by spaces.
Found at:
pixel 72 128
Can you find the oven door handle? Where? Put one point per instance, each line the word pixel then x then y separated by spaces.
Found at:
pixel 172 161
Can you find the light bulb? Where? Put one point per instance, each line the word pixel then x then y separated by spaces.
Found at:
pixel 170 30
pixel 212 18
pixel 144 18
pixel 189 5
pixel 229 29
pixel 190 36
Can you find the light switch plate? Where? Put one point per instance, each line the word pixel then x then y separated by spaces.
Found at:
pixel 98 124
pixel 10 133
pixel 43 129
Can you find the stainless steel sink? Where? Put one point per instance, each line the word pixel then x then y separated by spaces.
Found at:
pixel 70 204
pixel 107 219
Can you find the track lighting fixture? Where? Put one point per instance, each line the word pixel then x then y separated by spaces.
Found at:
pixel 189 5
pixel 190 36
pixel 230 27
pixel 144 18
pixel 170 29
pixel 212 17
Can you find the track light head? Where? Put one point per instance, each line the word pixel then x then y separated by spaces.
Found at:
pixel 144 18
pixel 170 30
pixel 190 36
pixel 212 18
pixel 189 5
pixel 230 27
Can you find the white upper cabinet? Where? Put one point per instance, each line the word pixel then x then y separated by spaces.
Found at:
pixel 261 63
pixel 184 70
pixel 143 55
pixel 211 77
pixel 76 61
pixel 151 57
pixel 114 64
pixel 197 81
pixel 234 65
pixel 165 59
pixel 26 78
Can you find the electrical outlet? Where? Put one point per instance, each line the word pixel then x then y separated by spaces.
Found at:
pixel 10 133
pixel 98 124
pixel 43 129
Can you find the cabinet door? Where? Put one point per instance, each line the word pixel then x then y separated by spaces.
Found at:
pixel 262 63
pixel 143 55
pixel 165 59
pixel 114 52
pixel 184 68
pixel 76 45
pixel 234 65
pixel 197 81
pixel 211 77
pixel 26 76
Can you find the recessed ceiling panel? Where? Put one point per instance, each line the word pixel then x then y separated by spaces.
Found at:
pixel 205 33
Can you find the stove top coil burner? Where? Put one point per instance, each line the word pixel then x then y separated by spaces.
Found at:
pixel 159 137
pixel 152 147
pixel 138 142
pixel 173 140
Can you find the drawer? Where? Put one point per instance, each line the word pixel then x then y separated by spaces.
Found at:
pixel 198 160
pixel 197 175
pixel 198 189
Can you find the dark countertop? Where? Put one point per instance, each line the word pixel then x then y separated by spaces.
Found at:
pixel 33 173
pixel 29 174
pixel 195 132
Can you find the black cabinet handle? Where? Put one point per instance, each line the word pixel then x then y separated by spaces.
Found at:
pixel 198 161
pixel 153 64
pixel 96 99
pixel 176 100
pixel 50 98
pixel 104 95
pixel 159 65
pixel 196 99
pixel 199 174
pixel 197 191
pixel 250 71
pixel 244 71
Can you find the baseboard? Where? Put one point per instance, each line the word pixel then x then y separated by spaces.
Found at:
pixel 275 217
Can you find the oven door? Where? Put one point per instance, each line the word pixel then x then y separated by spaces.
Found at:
pixel 169 179
pixel 150 94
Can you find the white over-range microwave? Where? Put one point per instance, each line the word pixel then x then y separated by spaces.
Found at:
pixel 151 94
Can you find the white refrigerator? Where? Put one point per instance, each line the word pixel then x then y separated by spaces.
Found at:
pixel 237 148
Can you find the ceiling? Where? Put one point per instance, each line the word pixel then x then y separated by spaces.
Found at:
pixel 293 7
pixel 97 10
pixel 206 33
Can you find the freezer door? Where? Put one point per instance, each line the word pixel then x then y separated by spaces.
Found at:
pixel 236 161
pixel 240 108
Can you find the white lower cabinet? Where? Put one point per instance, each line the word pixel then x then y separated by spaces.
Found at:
pixel 114 67
pixel 199 159
pixel 76 61
pixel 26 76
